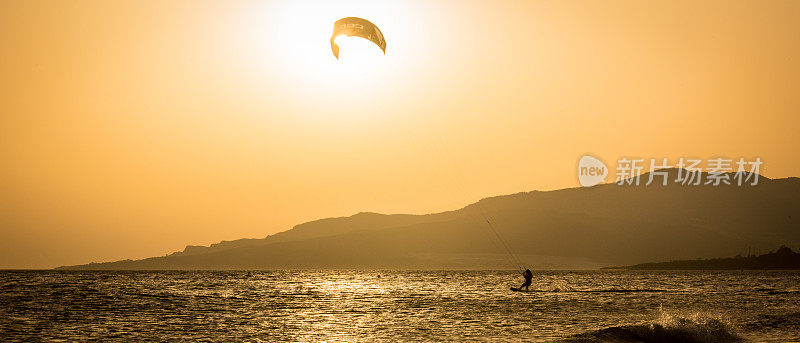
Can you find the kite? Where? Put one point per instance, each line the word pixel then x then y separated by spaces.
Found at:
pixel 352 26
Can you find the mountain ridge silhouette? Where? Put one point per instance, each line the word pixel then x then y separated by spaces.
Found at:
pixel 604 225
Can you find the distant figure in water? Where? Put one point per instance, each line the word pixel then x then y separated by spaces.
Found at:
pixel 528 276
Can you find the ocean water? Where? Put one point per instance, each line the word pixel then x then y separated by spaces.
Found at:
pixel 390 306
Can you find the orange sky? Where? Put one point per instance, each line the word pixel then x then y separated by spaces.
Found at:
pixel 129 129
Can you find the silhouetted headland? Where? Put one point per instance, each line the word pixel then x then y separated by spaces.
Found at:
pixel 782 259
pixel 574 228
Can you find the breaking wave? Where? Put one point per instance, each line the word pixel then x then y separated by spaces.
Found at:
pixel 695 329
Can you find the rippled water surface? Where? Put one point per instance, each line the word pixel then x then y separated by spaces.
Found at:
pixel 589 306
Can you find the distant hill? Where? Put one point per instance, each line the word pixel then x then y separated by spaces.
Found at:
pixel 782 259
pixel 570 228
pixel 318 228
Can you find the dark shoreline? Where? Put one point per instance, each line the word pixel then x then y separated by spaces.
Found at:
pixel 782 259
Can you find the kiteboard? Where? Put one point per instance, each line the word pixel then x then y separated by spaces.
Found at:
pixel 515 289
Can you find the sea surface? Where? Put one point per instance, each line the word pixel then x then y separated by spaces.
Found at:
pixel 391 306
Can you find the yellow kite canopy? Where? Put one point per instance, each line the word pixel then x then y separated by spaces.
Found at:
pixel 352 26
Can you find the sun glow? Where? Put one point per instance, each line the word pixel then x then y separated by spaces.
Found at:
pixel 295 37
pixel 357 52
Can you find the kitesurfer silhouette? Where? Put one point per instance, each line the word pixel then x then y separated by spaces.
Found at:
pixel 528 277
